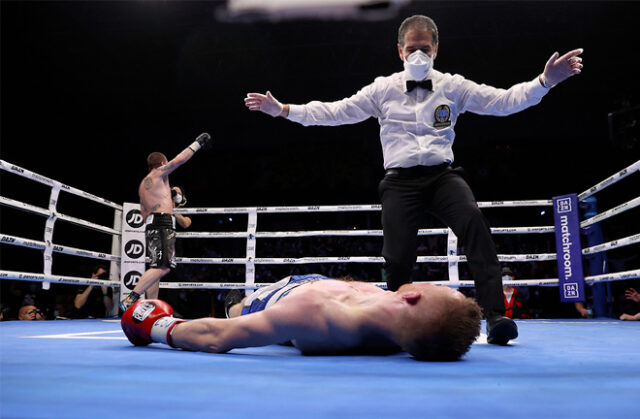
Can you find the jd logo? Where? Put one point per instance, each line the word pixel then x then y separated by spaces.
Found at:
pixel 131 279
pixel 134 249
pixel 134 218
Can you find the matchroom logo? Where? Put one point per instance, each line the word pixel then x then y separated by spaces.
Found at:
pixel 568 249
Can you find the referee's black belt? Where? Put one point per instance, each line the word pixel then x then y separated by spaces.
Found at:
pixel 417 171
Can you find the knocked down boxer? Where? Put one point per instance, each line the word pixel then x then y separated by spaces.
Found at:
pixel 319 315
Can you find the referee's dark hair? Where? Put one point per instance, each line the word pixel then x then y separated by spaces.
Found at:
pixel 419 22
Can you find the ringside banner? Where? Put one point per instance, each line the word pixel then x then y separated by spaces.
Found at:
pixel 133 248
pixel 568 248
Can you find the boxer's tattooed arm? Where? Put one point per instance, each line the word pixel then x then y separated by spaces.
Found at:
pixel 148 183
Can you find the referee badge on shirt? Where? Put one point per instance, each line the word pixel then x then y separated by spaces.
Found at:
pixel 442 116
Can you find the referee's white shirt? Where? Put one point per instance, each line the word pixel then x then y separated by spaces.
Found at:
pixel 409 132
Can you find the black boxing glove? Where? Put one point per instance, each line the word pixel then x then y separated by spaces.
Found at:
pixel 204 140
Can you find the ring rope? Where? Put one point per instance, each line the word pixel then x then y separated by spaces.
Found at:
pixel 618 276
pixel 58 248
pixel 48 213
pixel 610 180
pixel 52 215
pixel 325 233
pixel 50 182
pixel 614 244
pixel 343 208
pixel 611 212
pixel 24 206
pixel 59 279
pixel 354 259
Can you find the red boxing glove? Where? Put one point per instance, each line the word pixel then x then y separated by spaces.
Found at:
pixel 148 321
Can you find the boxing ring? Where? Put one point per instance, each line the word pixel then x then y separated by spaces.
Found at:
pixel 76 368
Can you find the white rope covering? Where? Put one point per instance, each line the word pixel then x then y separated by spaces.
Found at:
pixel 47 213
pixel 45 180
pixel 40 245
pixel 547 282
pixel 343 208
pixel 610 213
pixel 617 276
pixel 23 206
pixel 354 259
pixel 614 244
pixel 251 235
pixel 345 233
pixel 610 180
pixel 27 276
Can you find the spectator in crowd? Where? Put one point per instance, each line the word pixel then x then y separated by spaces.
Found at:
pixel 633 295
pixel 93 301
pixel 514 302
pixel 30 312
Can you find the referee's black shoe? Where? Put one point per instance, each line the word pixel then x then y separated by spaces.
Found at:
pixel 500 329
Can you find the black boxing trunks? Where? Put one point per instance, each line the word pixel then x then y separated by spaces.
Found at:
pixel 160 233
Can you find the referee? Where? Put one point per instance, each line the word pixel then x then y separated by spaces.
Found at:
pixel 417 110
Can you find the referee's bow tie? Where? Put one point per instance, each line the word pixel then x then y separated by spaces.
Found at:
pixel 425 84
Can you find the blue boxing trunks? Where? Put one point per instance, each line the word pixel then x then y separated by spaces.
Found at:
pixel 265 297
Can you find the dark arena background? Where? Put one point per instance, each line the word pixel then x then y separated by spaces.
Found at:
pixel 89 88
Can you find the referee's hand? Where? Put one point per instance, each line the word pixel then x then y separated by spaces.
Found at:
pixel 265 103
pixel 558 69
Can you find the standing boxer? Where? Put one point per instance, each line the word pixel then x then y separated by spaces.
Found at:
pixel 417 110
pixel 156 205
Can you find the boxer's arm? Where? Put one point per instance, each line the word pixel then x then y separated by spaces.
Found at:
pixel 280 323
pixel 203 141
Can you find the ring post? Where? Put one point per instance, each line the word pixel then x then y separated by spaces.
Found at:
pixel 597 261
pixel 250 269
pixel 568 248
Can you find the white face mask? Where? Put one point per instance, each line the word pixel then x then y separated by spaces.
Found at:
pixel 179 200
pixel 417 65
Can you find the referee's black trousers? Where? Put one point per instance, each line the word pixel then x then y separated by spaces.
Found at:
pixel 405 195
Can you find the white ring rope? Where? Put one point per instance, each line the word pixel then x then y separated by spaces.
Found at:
pixel 334 233
pixel 251 235
pixel 35 244
pixel 52 215
pixel 610 180
pixel 614 244
pixel 618 276
pixel 611 212
pixel 59 279
pixel 353 259
pixel 343 208
pixel 50 182
pixel 48 213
